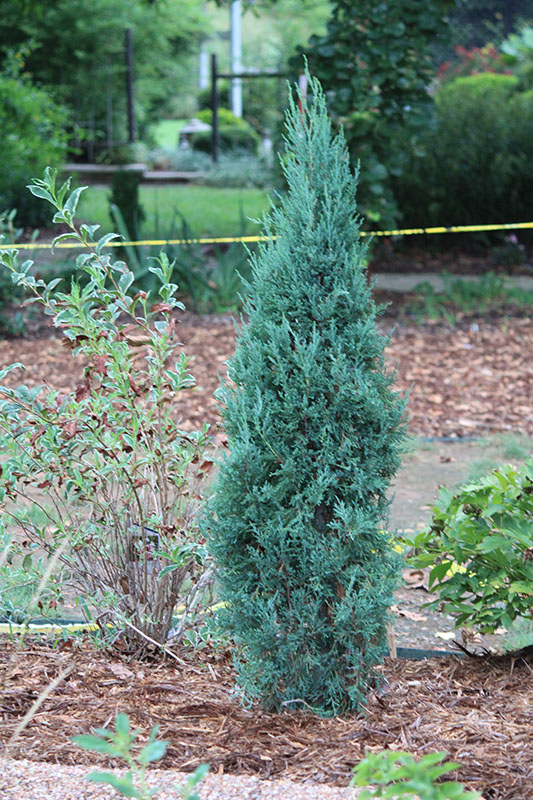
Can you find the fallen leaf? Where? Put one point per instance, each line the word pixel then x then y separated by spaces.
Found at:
pixel 403 612
pixel 120 671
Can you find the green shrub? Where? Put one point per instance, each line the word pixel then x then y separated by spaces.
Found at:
pixel 476 167
pixel 204 96
pixel 125 198
pixel 235 133
pixel 314 428
pixel 239 169
pixel 32 136
pixel 107 463
pixel 375 63
pixel 480 549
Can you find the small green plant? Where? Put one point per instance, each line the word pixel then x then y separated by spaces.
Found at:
pixel 116 478
pixel 520 635
pixel 459 296
pixel 396 775
pixel 120 743
pixel 510 254
pixel 480 550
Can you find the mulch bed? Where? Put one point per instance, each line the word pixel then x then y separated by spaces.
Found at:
pixel 466 381
pixel 480 710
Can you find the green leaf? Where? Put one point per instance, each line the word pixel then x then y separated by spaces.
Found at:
pixel 152 752
pixel 125 281
pixel 108 237
pixel 64 237
pixel 72 202
pixel 43 194
pixel 169 568
pixel 521 587
pixel 6 370
pixel 439 571
pixel 95 743
pixel 122 724
pixel 123 785
pixel 89 230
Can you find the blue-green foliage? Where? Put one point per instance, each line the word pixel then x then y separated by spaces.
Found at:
pixel 314 427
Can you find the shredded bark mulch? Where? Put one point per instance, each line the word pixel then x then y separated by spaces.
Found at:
pixel 474 379
pixel 480 710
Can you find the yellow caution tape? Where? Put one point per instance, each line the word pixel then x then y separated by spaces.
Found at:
pixel 35 627
pixel 507 226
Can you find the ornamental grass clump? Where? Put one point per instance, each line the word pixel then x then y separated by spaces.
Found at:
pixel 115 479
pixel 295 523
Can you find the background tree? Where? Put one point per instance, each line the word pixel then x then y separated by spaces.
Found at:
pixel 476 22
pixel 375 64
pixel 32 130
pixel 305 572
pixel 76 50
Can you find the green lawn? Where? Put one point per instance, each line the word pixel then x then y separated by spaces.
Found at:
pixel 209 211
pixel 166 132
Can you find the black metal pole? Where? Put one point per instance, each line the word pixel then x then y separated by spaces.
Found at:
pixel 214 108
pixel 129 84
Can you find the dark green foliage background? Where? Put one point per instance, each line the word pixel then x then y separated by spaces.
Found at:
pixel 375 64
pixel 234 133
pixel 314 428
pixel 125 196
pixel 76 50
pixel 31 131
pixel 477 165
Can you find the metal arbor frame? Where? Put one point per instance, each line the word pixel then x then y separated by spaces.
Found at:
pixel 215 103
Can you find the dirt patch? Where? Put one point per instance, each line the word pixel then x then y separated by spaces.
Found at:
pixel 479 710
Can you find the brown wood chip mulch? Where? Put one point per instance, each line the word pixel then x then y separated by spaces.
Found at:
pixel 466 381
pixel 480 710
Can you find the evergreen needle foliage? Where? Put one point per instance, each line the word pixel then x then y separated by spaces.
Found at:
pixel 306 573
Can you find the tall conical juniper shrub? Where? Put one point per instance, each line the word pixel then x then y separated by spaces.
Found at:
pixel 305 571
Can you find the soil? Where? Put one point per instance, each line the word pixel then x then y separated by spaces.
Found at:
pixel 479 710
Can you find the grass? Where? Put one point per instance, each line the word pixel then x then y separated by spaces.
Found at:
pixel 166 132
pixel 209 211
pixel 480 467
pixel 514 446
pixel 461 296
pixel 498 449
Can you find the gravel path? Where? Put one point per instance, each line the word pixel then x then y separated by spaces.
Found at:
pixel 30 780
